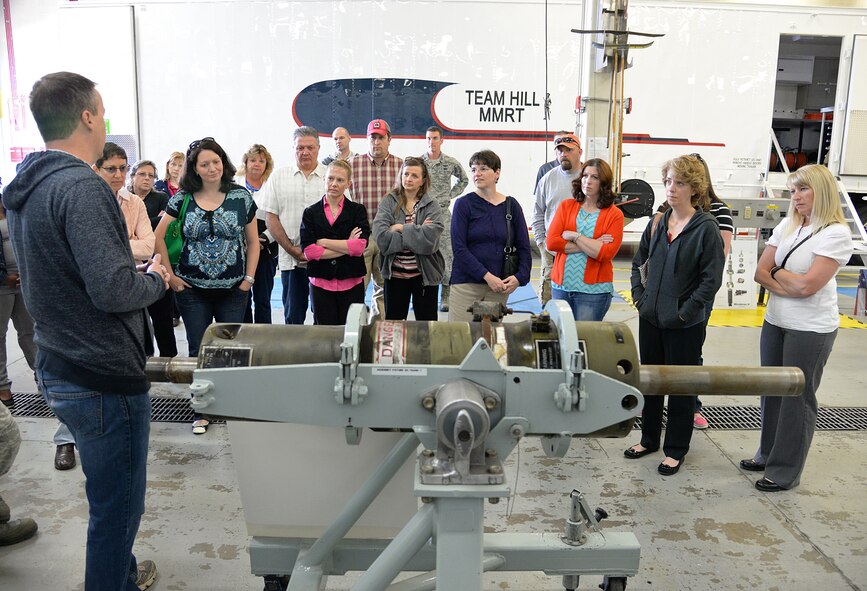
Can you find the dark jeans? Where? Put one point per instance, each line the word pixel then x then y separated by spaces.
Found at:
pixel 199 307
pixel 260 300
pixel 111 434
pixel 162 314
pixel 398 293
pixel 707 311
pixel 296 295
pixel 331 307
pixel 669 346
pixel 585 306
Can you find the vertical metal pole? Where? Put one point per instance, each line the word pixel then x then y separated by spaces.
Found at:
pixel 460 543
pixel 360 501
pixel 404 546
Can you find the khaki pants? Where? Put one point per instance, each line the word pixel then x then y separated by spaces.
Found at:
pixel 462 296
pixel 547 264
pixel 371 261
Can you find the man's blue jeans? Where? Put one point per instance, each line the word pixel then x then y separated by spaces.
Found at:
pixel 296 295
pixel 111 434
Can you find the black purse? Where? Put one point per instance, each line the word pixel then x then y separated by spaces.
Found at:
pixel 510 252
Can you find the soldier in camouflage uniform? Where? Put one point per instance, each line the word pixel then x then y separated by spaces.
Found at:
pixel 18 530
pixel 442 169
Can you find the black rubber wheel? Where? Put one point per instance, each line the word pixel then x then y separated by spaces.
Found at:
pixel 276 582
pixel 613 584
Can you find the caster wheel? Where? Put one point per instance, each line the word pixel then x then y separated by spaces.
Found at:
pixel 613 583
pixel 276 582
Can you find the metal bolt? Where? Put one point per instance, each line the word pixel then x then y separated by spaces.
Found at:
pixel 427 499
pixel 517 430
pixel 428 453
pixel 490 403
pixel 494 500
pixel 428 402
pixel 427 469
pixel 490 452
pixel 495 469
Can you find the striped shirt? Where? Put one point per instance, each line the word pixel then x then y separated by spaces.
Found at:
pixel 723 216
pixel 405 264
pixel 371 182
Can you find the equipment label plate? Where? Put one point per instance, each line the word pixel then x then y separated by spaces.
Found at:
pixel 397 370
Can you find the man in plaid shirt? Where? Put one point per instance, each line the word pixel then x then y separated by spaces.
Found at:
pixel 373 177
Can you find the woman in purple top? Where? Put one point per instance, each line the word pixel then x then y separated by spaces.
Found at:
pixel 481 224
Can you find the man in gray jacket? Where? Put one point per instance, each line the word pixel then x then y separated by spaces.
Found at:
pixel 82 288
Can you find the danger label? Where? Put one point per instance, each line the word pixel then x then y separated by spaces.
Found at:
pixel 390 343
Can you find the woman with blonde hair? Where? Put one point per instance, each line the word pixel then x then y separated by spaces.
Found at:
pixel 798 267
pixel 170 183
pixel 256 167
pixel 683 252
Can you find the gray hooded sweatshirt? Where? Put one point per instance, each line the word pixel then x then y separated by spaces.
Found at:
pixel 78 276
pixel 683 276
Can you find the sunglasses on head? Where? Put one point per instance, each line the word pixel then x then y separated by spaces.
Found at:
pixel 198 143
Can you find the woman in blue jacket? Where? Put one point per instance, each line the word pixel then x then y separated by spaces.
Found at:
pixel 482 223
pixel 684 254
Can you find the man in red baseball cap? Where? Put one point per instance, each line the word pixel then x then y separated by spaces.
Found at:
pixel 373 176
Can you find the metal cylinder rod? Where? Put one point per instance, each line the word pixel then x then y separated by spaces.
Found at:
pixel 361 500
pixel 691 380
pixel 672 380
pixel 402 548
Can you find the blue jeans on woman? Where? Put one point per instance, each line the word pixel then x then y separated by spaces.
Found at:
pixel 585 306
pixel 111 433
pixel 200 307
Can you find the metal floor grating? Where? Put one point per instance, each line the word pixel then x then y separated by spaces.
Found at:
pixel 164 409
pixel 721 418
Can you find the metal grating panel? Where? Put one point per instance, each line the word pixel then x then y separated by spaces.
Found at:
pixel 164 409
pixel 721 418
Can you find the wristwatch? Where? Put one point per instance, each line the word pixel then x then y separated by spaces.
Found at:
pixel 249 279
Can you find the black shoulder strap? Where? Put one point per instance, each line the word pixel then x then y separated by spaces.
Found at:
pixel 508 248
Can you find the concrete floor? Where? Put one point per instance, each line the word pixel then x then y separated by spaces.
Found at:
pixel 705 528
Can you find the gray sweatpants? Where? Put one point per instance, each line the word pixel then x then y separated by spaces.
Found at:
pixel 12 307
pixel 788 422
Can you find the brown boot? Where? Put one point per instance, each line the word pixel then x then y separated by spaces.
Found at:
pixel 64 457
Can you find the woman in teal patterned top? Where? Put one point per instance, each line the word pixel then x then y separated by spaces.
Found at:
pixel 585 235
pixel 214 274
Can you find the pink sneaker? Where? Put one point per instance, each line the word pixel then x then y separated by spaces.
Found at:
pixel 699 422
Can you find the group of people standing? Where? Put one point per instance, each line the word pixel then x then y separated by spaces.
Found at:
pixel 76 231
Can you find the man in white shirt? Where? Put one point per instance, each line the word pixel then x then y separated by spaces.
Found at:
pixel 553 188
pixel 283 197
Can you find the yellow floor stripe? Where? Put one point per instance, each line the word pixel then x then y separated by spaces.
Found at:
pixel 750 318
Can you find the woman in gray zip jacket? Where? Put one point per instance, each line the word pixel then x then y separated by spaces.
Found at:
pixel 407 230
pixel 685 261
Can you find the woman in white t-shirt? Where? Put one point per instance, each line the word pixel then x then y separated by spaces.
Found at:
pixel 798 268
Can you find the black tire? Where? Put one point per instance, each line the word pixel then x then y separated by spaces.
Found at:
pixel 613 583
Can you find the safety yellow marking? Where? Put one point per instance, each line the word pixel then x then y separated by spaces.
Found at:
pixel 749 318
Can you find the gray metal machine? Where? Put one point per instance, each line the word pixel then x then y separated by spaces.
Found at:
pixel 460 397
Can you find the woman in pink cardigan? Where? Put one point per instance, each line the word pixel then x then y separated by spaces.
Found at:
pixel 585 235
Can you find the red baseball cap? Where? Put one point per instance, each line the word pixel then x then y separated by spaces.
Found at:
pixel 378 127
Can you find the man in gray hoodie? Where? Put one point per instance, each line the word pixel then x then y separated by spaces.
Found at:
pixel 88 300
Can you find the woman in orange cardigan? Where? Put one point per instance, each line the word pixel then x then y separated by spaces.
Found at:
pixel 585 235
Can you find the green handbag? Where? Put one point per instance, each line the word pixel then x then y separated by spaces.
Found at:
pixel 175 234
